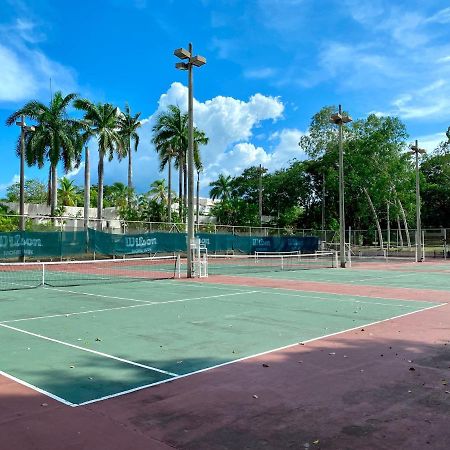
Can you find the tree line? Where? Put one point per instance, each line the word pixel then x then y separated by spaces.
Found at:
pixel 379 170
pixel 379 181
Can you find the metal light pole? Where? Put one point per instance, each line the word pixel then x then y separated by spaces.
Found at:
pixel 260 194
pixel 416 150
pixel 339 120
pixel 198 197
pixel 23 130
pixel 191 61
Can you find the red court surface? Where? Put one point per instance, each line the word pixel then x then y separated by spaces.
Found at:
pixel 385 386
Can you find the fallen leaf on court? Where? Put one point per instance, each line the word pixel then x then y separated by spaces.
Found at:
pixel 255 396
pixel 316 442
pixel 98 339
pixel 265 365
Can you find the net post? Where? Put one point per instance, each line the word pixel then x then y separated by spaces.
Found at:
pixel 43 275
pixel 336 259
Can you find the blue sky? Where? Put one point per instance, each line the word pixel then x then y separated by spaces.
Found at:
pixel 271 64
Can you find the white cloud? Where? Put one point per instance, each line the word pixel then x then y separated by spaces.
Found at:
pixel 441 17
pixel 431 141
pixel 3 186
pixel 431 101
pixel 228 122
pixel 74 172
pixel 260 74
pixel 26 71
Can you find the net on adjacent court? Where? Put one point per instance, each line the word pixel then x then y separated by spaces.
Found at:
pixel 248 264
pixel 76 273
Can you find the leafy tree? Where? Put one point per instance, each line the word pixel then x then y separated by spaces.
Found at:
pixel 56 137
pixel 35 192
pixel 435 187
pixel 101 121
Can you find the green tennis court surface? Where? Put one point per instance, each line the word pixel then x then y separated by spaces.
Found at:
pixel 416 278
pixel 84 343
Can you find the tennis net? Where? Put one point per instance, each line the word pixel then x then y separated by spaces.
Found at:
pixel 247 264
pixel 74 273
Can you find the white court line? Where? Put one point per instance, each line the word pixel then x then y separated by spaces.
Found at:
pixel 350 300
pixel 95 352
pixel 32 386
pixel 94 295
pixel 316 292
pixel 129 391
pixel 128 307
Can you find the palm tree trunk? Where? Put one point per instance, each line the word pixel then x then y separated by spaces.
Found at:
pixel 87 188
pixel 375 215
pixel 180 190
pixel 54 196
pixel 169 194
pixel 130 173
pixel 100 191
pixel 184 190
pixel 49 187
pixel 198 197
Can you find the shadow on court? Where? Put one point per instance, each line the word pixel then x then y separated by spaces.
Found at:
pixel 381 387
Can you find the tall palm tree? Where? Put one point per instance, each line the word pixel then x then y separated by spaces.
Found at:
pixel 101 121
pixel 166 154
pixel 128 124
pixel 221 188
pixel 68 192
pixel 171 129
pixel 158 191
pixel 119 195
pixel 56 137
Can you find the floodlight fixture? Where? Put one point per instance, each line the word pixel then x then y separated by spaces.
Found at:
pixel 182 53
pixel 198 61
pixel 182 66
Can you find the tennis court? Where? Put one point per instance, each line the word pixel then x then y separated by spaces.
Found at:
pixel 100 339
